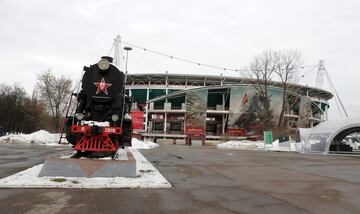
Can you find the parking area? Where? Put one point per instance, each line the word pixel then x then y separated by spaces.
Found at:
pixel 205 180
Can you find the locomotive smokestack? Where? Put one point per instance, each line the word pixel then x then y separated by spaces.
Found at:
pixel 108 58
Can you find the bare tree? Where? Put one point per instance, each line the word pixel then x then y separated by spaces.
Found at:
pixel 288 64
pixel 54 91
pixel 19 112
pixel 12 100
pixel 36 117
pixel 261 71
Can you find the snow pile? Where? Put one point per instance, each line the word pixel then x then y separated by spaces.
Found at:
pixel 147 177
pixel 138 144
pixel 242 145
pixel 287 146
pixel 40 137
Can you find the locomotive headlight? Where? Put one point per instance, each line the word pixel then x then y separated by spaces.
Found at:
pixel 79 116
pixel 103 64
pixel 115 117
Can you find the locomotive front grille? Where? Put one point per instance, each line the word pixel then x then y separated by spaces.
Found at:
pixel 96 143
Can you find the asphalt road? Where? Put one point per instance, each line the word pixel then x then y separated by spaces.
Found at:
pixel 205 180
pixel 18 157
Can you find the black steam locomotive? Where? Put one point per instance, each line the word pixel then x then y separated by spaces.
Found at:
pixel 102 122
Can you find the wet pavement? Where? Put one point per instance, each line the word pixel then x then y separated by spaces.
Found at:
pixel 205 180
pixel 18 157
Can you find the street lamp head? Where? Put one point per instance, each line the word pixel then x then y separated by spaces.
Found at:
pixel 127 48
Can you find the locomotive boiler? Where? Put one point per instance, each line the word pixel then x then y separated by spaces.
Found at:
pixel 101 123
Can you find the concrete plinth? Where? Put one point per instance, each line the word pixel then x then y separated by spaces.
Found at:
pixel 72 167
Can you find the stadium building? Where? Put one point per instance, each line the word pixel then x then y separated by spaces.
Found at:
pixel 210 108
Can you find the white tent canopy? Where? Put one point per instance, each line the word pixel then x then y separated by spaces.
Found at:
pixel 322 135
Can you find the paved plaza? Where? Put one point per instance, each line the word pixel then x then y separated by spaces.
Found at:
pixel 205 180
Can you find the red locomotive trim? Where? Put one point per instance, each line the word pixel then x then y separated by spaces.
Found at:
pixel 80 129
pixel 87 129
pixel 112 130
pixel 99 143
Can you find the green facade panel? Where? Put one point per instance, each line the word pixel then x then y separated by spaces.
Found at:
pixel 139 95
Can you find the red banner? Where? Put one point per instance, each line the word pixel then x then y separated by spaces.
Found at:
pixel 236 131
pixel 190 130
pixel 138 120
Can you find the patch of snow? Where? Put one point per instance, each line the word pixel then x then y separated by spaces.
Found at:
pixel 287 146
pixel 121 154
pixel 95 123
pixel 147 177
pixel 242 145
pixel 138 144
pixel 43 137
pixel 40 137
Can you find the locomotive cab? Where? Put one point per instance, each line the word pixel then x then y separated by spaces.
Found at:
pixel 102 91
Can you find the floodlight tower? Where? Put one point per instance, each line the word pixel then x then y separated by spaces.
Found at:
pixel 320 75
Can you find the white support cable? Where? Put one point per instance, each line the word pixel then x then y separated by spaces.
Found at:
pixel 111 49
pixel 337 104
pixel 338 107
pixel 195 62
pixel 301 76
pixel 337 97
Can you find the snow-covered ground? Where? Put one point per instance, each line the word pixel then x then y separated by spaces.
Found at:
pixel 138 144
pixel 289 146
pixel 147 177
pixel 242 145
pixel 40 137
pixel 43 137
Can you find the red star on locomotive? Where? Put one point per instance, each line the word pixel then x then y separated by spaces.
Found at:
pixel 102 86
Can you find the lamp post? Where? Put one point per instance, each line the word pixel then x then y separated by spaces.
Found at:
pixel 127 54
pixel 126 71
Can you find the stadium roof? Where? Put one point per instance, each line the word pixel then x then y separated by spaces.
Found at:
pixel 194 80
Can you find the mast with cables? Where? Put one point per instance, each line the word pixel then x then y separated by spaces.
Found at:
pixel 321 75
pixel 116 59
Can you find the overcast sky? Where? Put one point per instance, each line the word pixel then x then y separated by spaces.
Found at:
pixel 66 35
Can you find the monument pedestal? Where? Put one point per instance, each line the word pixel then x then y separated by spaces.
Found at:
pixel 90 168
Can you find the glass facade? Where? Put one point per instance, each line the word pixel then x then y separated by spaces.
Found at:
pixel 237 110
